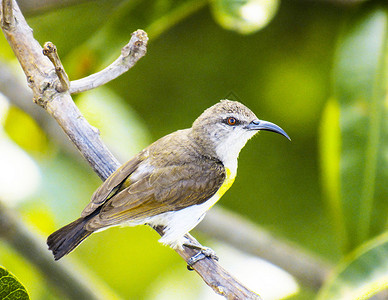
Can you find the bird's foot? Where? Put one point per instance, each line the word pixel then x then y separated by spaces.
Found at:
pixel 203 252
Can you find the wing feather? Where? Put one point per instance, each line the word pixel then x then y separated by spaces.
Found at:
pixel 160 192
pixel 113 183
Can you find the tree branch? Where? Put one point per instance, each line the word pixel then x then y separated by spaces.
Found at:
pixel 130 54
pixel 43 80
pixel 214 275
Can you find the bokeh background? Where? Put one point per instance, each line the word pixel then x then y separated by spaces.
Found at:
pixel 315 68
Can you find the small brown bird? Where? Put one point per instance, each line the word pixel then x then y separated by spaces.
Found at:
pixel 173 182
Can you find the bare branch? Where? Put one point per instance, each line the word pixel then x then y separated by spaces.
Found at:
pixel 50 50
pixel 42 80
pixel 214 275
pixel 246 236
pixel 130 54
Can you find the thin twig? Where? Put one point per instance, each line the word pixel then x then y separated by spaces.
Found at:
pixel 40 76
pixel 50 50
pixel 130 54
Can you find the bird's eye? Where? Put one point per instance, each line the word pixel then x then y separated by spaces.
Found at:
pixel 231 121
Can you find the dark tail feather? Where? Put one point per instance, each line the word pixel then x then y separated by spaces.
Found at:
pixel 64 240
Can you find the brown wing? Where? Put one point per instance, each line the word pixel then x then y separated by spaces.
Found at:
pixel 162 189
pixel 113 183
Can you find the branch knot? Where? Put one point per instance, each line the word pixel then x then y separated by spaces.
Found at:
pixel 137 43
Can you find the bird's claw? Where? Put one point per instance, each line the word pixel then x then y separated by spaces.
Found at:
pixel 204 252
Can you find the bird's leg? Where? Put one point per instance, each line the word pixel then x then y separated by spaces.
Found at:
pixel 203 252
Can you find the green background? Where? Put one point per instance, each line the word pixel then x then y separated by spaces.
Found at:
pixel 286 72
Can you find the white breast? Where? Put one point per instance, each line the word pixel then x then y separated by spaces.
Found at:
pixel 180 222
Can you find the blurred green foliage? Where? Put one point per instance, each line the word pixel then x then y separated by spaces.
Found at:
pixel 283 72
pixel 360 82
pixel 362 274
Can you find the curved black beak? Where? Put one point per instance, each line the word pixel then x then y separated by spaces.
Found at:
pixel 268 126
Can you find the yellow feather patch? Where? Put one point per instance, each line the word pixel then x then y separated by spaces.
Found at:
pixel 227 183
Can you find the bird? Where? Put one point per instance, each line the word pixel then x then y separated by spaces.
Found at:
pixel 173 182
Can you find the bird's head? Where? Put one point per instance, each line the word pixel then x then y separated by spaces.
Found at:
pixel 225 127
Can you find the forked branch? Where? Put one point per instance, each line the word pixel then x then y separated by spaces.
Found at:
pixel 43 80
pixel 130 54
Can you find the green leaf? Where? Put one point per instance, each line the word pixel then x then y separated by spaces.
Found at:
pixel 244 16
pixel 10 287
pixel 357 181
pixel 361 274
pixel 330 144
